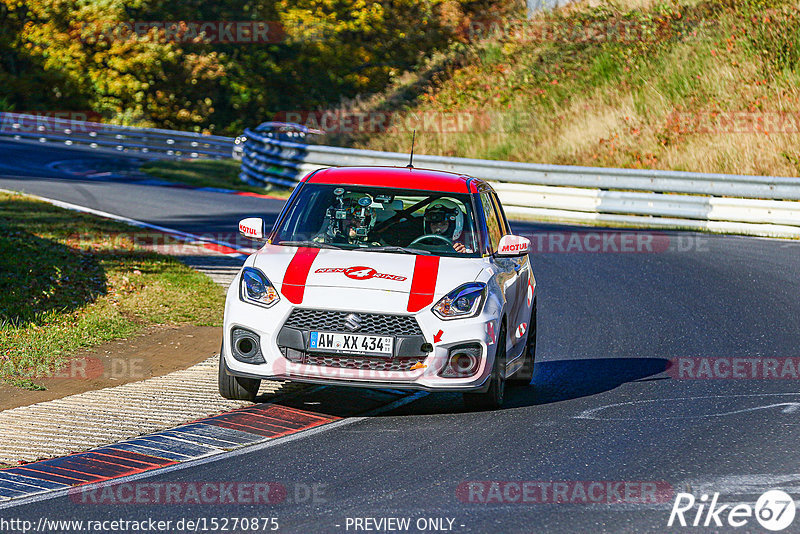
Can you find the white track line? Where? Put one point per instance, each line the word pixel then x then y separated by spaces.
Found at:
pixel 186 236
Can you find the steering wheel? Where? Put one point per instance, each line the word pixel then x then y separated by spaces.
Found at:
pixel 427 237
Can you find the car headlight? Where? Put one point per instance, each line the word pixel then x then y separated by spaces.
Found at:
pixel 256 288
pixel 462 302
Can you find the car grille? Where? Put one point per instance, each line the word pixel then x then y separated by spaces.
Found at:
pixel 360 362
pixel 371 323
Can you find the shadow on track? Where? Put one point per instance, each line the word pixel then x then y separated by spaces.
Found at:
pixel 560 380
pixel 553 381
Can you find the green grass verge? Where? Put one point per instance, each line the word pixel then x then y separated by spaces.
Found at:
pixel 70 280
pixel 222 173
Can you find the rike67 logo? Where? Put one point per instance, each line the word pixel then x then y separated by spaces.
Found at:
pixel 774 511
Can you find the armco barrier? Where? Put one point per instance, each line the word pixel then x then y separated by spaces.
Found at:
pixel 92 135
pixel 742 204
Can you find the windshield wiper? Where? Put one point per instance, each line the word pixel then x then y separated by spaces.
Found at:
pixel 312 244
pixel 403 250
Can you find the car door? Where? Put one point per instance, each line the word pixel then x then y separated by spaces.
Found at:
pixel 525 282
pixel 505 268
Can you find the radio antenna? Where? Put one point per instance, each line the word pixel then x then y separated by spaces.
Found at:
pixel 411 159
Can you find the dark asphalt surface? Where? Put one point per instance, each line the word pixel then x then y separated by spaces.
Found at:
pixel 602 406
pixel 199 212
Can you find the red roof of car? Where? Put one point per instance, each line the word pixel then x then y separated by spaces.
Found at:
pixel 402 177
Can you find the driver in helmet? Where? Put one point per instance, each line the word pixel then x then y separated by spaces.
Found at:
pixel 350 220
pixel 444 218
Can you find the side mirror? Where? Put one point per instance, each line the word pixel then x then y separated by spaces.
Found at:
pixel 252 228
pixel 513 245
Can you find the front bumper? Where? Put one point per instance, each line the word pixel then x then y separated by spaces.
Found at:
pixel 381 373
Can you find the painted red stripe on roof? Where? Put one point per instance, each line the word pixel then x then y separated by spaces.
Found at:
pixel 423 283
pixel 420 179
pixel 294 282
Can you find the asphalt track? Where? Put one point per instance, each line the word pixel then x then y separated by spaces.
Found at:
pixel 604 407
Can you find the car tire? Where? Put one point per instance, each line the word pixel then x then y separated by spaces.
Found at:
pixel 492 399
pixel 524 375
pixel 235 387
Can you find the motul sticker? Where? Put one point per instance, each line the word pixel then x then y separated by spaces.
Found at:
pixel 247 230
pixel 360 273
pixel 514 247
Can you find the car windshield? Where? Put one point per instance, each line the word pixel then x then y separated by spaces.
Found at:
pixel 380 219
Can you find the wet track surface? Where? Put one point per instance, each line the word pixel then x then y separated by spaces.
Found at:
pixel 608 403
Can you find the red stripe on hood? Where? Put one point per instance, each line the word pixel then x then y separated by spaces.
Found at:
pixel 294 281
pixel 423 283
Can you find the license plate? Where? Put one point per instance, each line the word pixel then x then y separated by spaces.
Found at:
pixel 359 343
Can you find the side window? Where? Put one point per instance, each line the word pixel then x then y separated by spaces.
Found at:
pixel 493 223
pixel 502 214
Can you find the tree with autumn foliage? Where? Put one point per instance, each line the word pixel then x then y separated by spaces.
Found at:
pixel 60 55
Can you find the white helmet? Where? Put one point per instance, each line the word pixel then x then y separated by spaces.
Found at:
pixel 445 210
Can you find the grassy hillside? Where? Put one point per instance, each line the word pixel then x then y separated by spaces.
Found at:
pixel 707 86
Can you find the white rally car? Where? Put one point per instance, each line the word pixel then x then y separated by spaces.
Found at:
pixel 384 277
